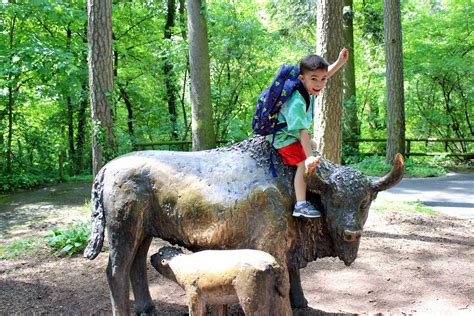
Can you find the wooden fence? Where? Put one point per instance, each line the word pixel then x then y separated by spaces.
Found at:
pixel 186 146
pixel 409 141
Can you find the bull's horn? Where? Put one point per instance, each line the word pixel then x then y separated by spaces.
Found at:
pixel 391 178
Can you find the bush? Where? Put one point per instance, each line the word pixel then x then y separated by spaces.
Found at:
pixel 376 166
pixel 70 240
pixel 13 182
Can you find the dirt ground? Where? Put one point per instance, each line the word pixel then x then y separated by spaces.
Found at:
pixel 407 264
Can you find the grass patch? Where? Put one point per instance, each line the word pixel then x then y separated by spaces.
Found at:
pixel 402 206
pixel 69 240
pixel 376 166
pixel 63 241
pixel 22 248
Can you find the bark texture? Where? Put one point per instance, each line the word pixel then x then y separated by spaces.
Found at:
pixel 168 71
pixel 202 122
pixel 394 80
pixel 327 123
pixel 101 86
pixel 351 120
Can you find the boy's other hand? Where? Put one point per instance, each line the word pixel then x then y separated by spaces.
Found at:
pixel 343 55
pixel 311 163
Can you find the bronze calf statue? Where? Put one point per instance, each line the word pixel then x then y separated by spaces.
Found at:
pixel 224 199
pixel 250 277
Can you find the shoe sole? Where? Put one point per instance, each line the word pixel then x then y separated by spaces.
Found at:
pixel 307 216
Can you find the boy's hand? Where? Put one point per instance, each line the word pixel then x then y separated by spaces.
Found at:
pixel 311 163
pixel 343 55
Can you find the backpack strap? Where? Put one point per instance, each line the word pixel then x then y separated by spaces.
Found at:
pixel 272 164
pixel 288 80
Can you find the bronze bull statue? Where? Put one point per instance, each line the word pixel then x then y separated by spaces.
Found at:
pixel 224 199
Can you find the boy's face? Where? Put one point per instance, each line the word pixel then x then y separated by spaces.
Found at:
pixel 314 80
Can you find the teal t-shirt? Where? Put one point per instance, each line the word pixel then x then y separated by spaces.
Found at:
pixel 295 115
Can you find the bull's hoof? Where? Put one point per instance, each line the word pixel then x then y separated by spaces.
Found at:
pixel 149 310
pixel 298 302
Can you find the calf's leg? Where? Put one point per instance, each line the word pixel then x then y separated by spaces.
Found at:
pixel 196 306
pixel 219 310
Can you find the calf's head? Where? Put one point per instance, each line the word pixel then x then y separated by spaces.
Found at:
pixel 160 261
pixel 346 195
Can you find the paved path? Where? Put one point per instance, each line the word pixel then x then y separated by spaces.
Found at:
pixel 452 194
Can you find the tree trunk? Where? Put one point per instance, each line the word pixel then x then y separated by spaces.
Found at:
pixel 81 115
pixel 69 106
pixel 202 122
pixel 101 86
pixel 81 123
pixel 352 128
pixel 11 99
pixel 129 106
pixel 394 80
pixel 327 124
pixel 10 130
pixel 169 72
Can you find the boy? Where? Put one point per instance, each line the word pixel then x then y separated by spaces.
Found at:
pixel 294 142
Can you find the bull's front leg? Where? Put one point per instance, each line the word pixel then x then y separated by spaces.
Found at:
pixel 296 291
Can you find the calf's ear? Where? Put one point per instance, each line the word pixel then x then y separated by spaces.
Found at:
pixel 393 177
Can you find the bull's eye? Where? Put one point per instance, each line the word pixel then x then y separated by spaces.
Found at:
pixel 364 204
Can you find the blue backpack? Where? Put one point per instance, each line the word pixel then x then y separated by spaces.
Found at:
pixel 270 101
pixel 265 119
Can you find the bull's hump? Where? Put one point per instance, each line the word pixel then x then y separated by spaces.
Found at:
pixel 221 176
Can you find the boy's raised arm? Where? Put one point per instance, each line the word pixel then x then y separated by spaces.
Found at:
pixel 341 60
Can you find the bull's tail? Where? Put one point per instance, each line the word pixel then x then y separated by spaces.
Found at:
pixel 96 240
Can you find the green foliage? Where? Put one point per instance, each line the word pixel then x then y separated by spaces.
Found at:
pixel 376 166
pixel 440 76
pixel 69 240
pixel 22 248
pixel 43 75
pixel 17 181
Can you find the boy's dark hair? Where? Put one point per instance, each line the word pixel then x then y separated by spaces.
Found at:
pixel 313 62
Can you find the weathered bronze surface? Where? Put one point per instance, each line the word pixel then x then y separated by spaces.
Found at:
pixel 249 277
pixel 224 199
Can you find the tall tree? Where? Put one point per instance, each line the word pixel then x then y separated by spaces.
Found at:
pixel 101 86
pixel 327 124
pixel 394 80
pixel 352 125
pixel 168 70
pixel 12 87
pixel 83 105
pixel 202 122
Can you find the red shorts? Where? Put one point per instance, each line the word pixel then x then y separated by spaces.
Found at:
pixel 292 154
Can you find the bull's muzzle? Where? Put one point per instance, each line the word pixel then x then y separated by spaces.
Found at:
pixel 352 235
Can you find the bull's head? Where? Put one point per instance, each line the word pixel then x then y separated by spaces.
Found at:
pixel 346 195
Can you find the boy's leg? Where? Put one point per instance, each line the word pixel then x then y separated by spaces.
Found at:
pixel 300 184
pixel 294 155
pixel 302 207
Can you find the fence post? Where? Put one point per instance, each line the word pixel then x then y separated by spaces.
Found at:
pixel 408 149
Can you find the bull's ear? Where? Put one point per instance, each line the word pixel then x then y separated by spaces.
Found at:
pixel 317 177
pixel 393 177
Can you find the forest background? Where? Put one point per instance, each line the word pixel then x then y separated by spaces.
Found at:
pixel 45 125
